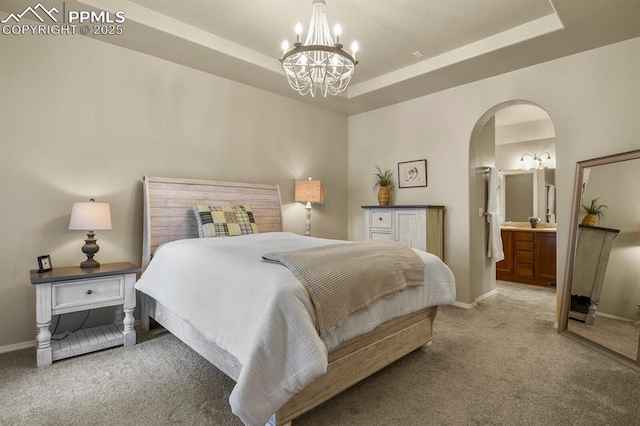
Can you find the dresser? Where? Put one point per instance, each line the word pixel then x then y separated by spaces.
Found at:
pixel 590 265
pixel 418 226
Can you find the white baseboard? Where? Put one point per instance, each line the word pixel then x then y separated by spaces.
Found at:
pixel 613 317
pixel 486 295
pixel 478 299
pixel 465 305
pixel 17 346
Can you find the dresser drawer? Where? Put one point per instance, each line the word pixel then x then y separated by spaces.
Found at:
pixel 381 235
pixel 524 270
pixel 524 257
pixel 522 245
pixel 524 236
pixel 381 219
pixel 97 291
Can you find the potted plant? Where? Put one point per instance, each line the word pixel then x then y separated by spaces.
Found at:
pixel 383 183
pixel 593 212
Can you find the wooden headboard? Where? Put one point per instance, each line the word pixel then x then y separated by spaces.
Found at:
pixel 168 207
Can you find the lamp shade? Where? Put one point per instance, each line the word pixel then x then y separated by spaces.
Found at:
pixel 310 191
pixel 90 216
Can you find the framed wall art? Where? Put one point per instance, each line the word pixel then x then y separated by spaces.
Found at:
pixel 412 174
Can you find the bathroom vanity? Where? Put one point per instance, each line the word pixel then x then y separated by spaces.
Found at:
pixel 529 256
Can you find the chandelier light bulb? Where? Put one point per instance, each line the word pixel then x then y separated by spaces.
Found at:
pixel 285 45
pixel 298 30
pixel 354 48
pixel 337 30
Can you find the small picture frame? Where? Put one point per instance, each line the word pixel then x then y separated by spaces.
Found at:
pixel 412 174
pixel 44 263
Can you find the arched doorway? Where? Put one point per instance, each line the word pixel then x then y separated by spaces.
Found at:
pixel 505 134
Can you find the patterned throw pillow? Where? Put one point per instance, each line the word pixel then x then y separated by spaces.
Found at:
pixel 224 221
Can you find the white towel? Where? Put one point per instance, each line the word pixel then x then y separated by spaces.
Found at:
pixel 492 196
pixel 495 250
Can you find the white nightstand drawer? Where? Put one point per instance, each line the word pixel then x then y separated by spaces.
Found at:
pixel 381 219
pixel 90 292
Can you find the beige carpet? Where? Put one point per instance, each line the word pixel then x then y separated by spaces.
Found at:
pixel 500 364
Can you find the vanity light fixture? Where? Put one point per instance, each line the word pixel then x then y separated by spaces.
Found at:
pixel 537 161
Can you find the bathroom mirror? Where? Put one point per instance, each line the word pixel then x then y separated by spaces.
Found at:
pixel 601 296
pixel 528 193
pixel 520 190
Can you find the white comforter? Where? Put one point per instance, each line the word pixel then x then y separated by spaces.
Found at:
pixel 258 311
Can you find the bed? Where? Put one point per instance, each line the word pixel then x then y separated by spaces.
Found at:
pixel 170 229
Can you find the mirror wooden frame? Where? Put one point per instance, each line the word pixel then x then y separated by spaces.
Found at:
pixel 573 234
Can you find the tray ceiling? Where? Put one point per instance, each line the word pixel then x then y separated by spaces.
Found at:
pixel 461 40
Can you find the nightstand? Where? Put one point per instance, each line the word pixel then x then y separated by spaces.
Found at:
pixel 72 289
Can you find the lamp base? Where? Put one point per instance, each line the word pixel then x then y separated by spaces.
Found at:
pixel 90 263
pixel 90 248
pixel 307 226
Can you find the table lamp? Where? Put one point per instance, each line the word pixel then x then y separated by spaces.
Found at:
pixel 90 216
pixel 309 191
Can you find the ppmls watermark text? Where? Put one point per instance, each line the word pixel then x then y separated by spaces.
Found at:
pixel 68 22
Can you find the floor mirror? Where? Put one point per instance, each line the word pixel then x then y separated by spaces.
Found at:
pixel 601 296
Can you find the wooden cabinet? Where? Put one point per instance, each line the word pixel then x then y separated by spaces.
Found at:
pixel 505 266
pixel 524 253
pixel 420 227
pixel 546 256
pixel 529 257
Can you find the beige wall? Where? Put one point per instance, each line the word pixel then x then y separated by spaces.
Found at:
pixel 80 118
pixel 593 99
pixel 481 155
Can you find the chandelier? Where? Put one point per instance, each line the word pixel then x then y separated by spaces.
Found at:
pixel 319 64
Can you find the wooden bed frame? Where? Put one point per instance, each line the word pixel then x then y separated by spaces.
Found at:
pixel 168 216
